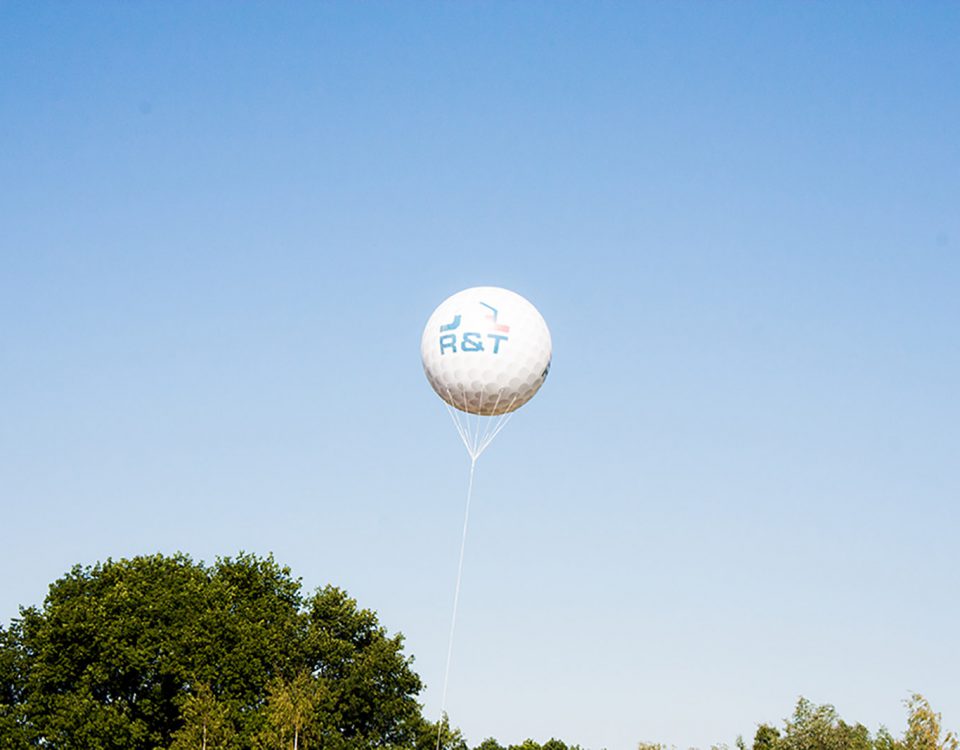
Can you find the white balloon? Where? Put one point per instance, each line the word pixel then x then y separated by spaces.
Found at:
pixel 486 350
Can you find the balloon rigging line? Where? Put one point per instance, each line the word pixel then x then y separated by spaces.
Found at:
pixel 456 601
pixel 462 428
pixel 475 445
pixel 484 443
pixel 456 423
pixel 477 435
pixel 500 424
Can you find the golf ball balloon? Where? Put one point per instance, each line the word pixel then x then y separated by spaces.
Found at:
pixel 486 350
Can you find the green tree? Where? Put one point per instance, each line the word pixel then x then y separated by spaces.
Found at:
pixel 351 651
pixel 815 727
pixel 108 661
pixel 884 740
pixel 292 714
pixel 766 738
pixel 923 728
pixel 820 728
pixel 13 726
pixel 553 744
pixel 429 732
pixel 108 653
pixel 206 723
pixel 527 744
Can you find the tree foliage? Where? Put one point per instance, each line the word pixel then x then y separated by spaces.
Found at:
pixel 159 652
pixel 815 727
pixel 923 728
pixel 162 653
pixel 439 736
pixel 293 714
pixel 13 727
pixel 819 727
pixel 206 723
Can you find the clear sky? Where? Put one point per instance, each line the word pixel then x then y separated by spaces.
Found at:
pixel 223 226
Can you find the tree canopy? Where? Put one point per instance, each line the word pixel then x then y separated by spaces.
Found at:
pixel 159 651
pixel 164 653
pixel 814 727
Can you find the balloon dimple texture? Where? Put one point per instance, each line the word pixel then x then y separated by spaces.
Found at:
pixel 486 350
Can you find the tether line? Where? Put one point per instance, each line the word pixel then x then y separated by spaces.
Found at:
pixel 456 600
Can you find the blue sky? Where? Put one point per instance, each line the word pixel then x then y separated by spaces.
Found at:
pixel 222 228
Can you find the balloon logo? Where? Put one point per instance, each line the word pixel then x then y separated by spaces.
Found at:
pixel 486 351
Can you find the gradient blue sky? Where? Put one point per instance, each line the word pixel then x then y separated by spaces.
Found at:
pixel 223 226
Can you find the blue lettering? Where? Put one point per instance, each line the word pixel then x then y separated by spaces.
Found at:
pixel 471 343
pixel 448 342
pixel 497 338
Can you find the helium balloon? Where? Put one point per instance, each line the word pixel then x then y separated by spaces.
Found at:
pixel 486 350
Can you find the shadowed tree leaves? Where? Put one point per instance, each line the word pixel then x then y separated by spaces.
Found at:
pixel 110 652
pixel 765 738
pixel 551 744
pixel 156 650
pixel 13 727
pixel 369 680
pixel 490 744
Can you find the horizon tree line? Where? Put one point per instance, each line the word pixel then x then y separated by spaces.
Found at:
pixel 164 653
